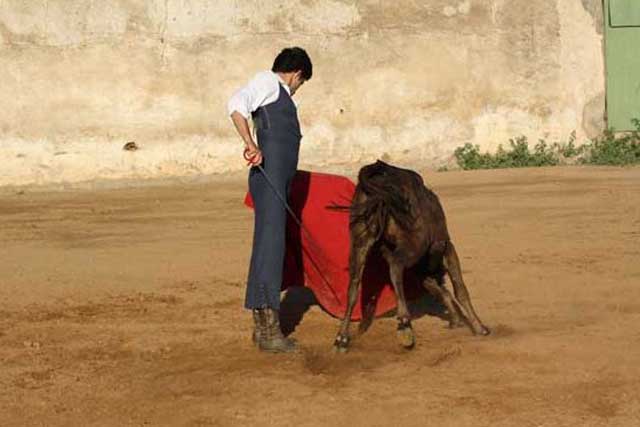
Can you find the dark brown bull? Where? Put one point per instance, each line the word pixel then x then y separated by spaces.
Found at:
pixel 394 212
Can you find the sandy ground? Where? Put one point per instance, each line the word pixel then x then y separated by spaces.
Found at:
pixel 124 307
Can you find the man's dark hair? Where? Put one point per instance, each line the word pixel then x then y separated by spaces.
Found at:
pixel 293 59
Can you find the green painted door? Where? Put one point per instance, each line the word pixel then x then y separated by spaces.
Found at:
pixel 622 52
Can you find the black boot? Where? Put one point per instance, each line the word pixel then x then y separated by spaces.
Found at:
pixel 273 341
pixel 259 326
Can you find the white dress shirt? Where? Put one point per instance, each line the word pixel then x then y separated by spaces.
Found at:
pixel 262 90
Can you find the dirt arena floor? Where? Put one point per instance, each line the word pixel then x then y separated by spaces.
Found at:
pixel 123 307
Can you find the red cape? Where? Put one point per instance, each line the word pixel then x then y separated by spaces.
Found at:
pixel 319 258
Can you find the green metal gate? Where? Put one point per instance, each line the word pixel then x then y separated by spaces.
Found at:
pixel 622 52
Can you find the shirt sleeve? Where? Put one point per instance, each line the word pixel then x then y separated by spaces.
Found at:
pixel 261 90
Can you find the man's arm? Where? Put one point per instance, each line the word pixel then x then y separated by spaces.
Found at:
pixel 262 89
pixel 242 126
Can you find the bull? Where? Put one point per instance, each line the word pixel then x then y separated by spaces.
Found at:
pixel 393 212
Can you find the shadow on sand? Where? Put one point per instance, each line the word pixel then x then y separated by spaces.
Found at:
pixel 299 299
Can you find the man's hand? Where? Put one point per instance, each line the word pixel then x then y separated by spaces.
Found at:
pixel 252 155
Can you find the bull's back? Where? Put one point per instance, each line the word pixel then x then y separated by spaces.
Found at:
pixel 426 212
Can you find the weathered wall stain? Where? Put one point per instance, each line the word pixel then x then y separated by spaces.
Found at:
pixel 594 8
pixel 408 80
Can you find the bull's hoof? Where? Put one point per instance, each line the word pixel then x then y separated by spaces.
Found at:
pixel 405 335
pixel 484 331
pixel 480 330
pixel 341 344
pixel 340 350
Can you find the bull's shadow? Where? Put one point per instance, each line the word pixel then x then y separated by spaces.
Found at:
pixel 299 299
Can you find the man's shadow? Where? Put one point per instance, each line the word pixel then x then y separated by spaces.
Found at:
pixel 296 302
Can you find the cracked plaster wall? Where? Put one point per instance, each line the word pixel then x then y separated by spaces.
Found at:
pixel 409 82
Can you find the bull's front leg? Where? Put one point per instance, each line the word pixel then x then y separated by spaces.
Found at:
pixel 357 260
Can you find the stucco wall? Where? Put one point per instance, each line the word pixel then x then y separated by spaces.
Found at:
pixel 406 80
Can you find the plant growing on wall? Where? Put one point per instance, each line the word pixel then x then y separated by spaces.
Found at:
pixel 607 149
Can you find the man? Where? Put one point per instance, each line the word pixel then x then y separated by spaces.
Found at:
pixel 267 98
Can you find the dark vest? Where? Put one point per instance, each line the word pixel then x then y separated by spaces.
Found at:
pixel 277 125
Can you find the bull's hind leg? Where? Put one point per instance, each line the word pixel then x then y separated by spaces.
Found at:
pixel 452 265
pixel 405 334
pixel 455 317
pixel 357 260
